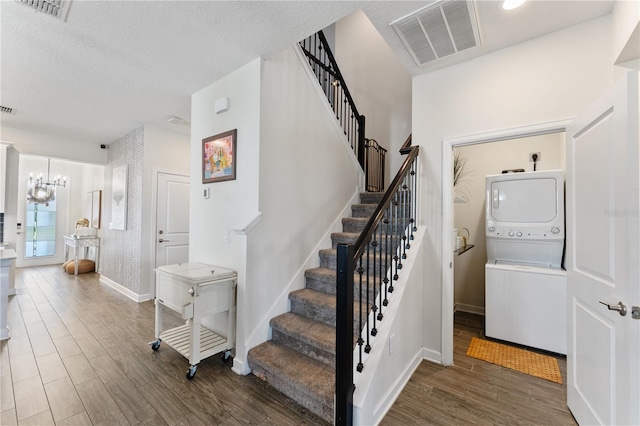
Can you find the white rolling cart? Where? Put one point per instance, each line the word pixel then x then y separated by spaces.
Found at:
pixel 196 291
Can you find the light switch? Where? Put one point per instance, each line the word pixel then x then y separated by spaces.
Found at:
pixel 205 193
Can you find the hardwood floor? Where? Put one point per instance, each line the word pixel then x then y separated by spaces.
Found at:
pixel 78 355
pixel 475 391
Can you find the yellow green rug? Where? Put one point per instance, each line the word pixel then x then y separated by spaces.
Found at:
pixel 534 364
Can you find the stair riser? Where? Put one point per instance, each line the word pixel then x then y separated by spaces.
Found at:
pixel 363 210
pixel 330 286
pixel 371 197
pixel 356 226
pixel 343 239
pixel 330 263
pixel 320 313
pixel 305 348
pixel 320 407
pixel 376 197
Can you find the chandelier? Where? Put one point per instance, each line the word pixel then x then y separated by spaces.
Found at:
pixel 41 192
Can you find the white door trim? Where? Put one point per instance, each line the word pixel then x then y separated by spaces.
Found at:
pixel 447 213
pixel 154 223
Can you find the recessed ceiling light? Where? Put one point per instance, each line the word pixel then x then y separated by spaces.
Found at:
pixel 512 4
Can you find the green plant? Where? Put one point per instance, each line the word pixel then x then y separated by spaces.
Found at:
pixel 459 168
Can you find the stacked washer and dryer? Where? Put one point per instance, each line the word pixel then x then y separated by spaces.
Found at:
pixel 525 291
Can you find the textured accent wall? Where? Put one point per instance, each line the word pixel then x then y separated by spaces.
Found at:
pixel 121 250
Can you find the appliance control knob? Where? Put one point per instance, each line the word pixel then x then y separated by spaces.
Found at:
pixel 519 234
pixel 555 230
pixel 511 233
pixel 492 228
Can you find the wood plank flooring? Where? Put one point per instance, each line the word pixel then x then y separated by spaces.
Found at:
pixel 477 392
pixel 78 355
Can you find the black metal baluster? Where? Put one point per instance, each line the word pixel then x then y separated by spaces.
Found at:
pixel 380 272
pixel 407 231
pixel 374 308
pixel 414 195
pixel 387 255
pixel 367 347
pixel 405 219
pixel 360 339
pixel 394 226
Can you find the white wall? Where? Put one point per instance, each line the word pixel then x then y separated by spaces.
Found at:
pixel 30 142
pixel 308 175
pixel 543 80
pixel 3 173
pixel 488 159
pixel 625 33
pixel 231 204
pixel 11 197
pixel 164 151
pixel 379 84
pixel 294 168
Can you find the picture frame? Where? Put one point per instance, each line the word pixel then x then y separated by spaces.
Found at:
pixel 119 198
pixel 219 157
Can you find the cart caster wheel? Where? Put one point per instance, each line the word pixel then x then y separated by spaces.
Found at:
pixel 155 345
pixel 191 372
pixel 226 356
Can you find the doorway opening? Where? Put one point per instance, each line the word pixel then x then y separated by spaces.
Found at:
pixel 478 236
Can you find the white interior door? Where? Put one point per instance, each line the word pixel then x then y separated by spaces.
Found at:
pixel 603 355
pixel 172 220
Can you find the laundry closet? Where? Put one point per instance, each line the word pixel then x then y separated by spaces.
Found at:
pixel 473 291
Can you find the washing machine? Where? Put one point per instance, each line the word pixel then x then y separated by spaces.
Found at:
pixel 525 284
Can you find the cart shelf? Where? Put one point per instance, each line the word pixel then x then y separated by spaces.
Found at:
pixel 178 338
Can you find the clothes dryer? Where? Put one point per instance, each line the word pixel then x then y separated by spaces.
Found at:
pixel 525 285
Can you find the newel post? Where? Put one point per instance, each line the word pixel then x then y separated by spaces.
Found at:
pixel 344 336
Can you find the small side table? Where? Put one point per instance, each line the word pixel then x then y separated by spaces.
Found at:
pixel 81 242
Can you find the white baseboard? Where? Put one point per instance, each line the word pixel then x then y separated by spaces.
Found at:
pixel 463 307
pixel 240 367
pixel 431 355
pixel 122 289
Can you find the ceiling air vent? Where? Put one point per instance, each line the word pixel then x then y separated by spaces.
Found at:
pixel 439 30
pixel 6 110
pixel 56 8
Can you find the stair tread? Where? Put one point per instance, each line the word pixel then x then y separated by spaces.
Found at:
pixel 334 252
pixel 320 273
pixel 356 219
pixel 305 329
pixel 295 370
pixel 314 297
pixel 345 234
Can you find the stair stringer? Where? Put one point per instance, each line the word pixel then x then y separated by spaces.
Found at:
pixel 384 375
pixel 262 332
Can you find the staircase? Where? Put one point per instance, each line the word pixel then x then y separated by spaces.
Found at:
pixel 299 361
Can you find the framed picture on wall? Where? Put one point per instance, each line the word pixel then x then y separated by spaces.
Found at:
pixel 119 198
pixel 219 157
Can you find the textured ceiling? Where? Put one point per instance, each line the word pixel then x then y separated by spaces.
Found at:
pixel 114 65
